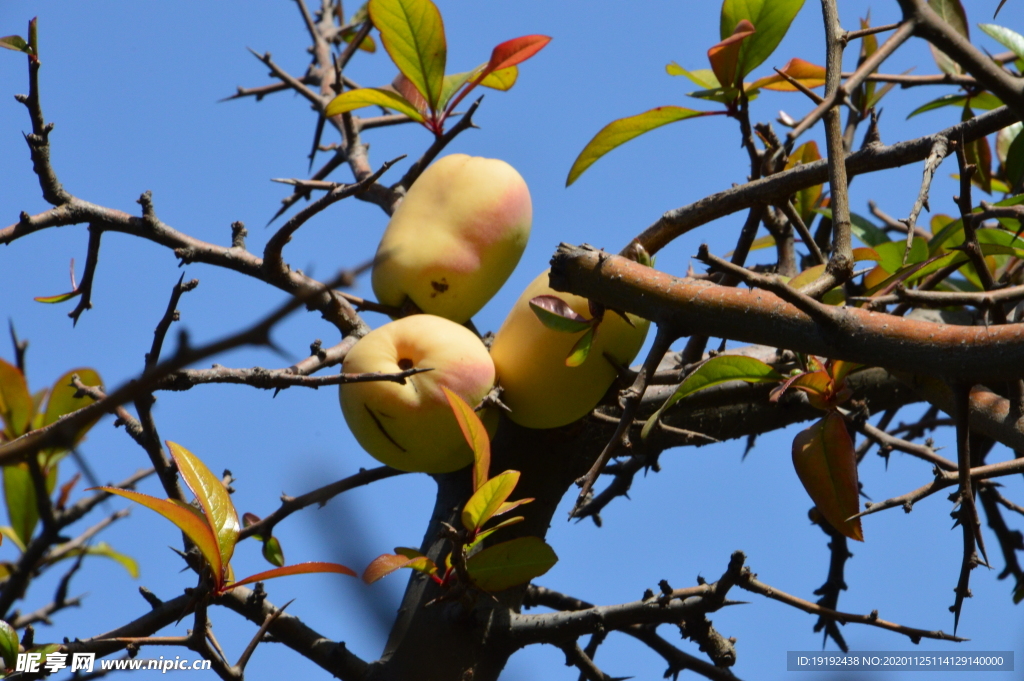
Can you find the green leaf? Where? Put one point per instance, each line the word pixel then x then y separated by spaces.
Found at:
pixel 62 400
pixel 713 372
pixel 16 406
pixel 891 253
pixel 8 532
pixel 557 315
pixel 272 552
pixel 18 44
pixel 476 437
pixel 368 44
pixel 59 298
pixel 297 569
pixel 581 349
pixel 1005 138
pixel 1009 39
pixel 826 464
pixel 944 100
pixel 771 19
pixel 413 34
pixel 385 564
pixel 488 499
pixel 8 645
pixel 104 549
pixel 22 504
pixel 724 56
pixel 806 200
pixel 621 131
pixel 212 495
pixel 453 82
pixel 188 520
pixel 1015 161
pixel 357 99
pixel 478 540
pixel 952 12
pixel 505 565
pixel 704 78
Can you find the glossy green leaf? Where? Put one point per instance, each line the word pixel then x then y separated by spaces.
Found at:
pixel 453 82
pixel 357 99
pixel 944 100
pixel 272 552
pixel 979 153
pixel 59 298
pixel 478 540
pixel 188 521
pixel 581 348
pixel 413 35
pixel 488 499
pixel 510 505
pixel 212 495
pixel 771 19
pixel 724 56
pixel 716 371
pixel 104 549
pixel 16 405
pixel 1006 37
pixel 8 645
pixel 312 567
pixel 952 12
pixel 22 504
pixel 826 463
pixel 621 131
pixel 557 315
pixel 475 433
pixel 385 564
pixel 891 253
pixel 505 565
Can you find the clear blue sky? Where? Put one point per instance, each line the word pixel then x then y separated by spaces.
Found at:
pixel 133 90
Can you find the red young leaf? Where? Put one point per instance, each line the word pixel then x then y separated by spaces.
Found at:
pixel 515 51
pixel 724 56
pixel 385 564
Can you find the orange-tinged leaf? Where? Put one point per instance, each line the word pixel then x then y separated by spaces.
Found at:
pixel 807 74
pixel 505 565
pixel 476 436
pixel 818 386
pixel 488 499
pixel 826 464
pixel 621 131
pixel 367 96
pixel 212 495
pixel 511 505
pixel 806 200
pixel 724 56
pixel 59 298
pixel 841 369
pixel 297 569
pixel 516 51
pixel 16 406
pixel 413 35
pixel 187 520
pixel 385 564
